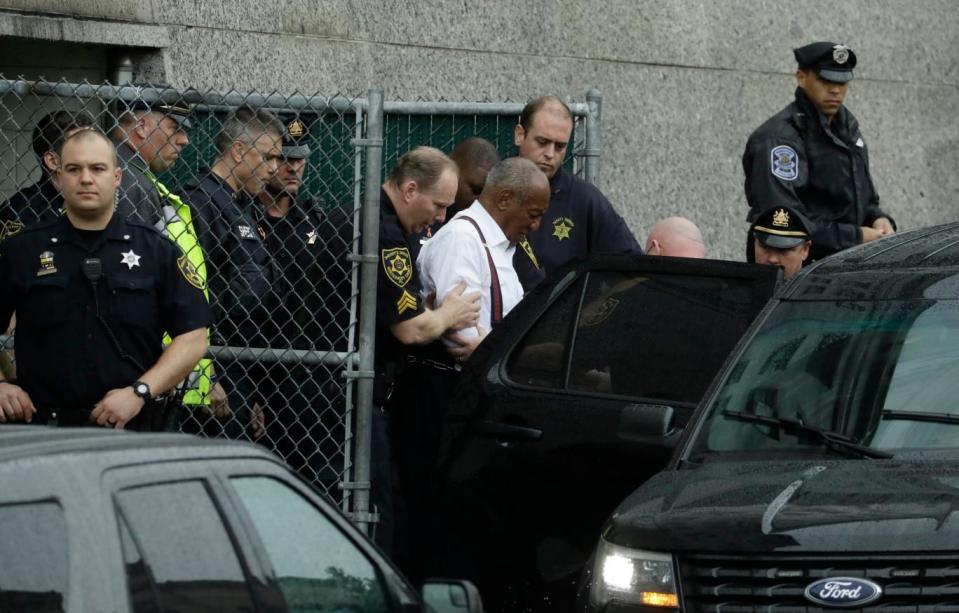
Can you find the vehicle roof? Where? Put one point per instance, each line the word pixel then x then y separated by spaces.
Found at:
pixel 921 263
pixel 18 442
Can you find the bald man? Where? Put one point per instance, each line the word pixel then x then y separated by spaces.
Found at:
pixel 676 237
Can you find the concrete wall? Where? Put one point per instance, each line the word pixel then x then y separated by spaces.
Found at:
pixel 684 81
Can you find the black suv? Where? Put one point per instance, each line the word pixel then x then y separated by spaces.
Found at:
pixel 100 520
pixel 547 431
pixel 820 471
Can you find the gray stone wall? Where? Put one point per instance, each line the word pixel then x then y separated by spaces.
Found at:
pixel 684 82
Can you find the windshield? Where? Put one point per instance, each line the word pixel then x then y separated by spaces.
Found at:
pixel 882 374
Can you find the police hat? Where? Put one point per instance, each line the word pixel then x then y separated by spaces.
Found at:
pixel 179 112
pixel 296 138
pixel 831 61
pixel 781 228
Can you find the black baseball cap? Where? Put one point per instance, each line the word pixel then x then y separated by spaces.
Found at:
pixel 781 227
pixel 831 61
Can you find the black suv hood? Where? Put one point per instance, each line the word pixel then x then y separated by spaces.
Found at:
pixel 825 506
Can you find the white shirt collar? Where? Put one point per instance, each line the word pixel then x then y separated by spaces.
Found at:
pixel 491 230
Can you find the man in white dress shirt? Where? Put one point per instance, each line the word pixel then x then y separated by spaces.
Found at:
pixel 476 248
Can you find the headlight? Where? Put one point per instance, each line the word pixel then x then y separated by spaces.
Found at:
pixel 632 576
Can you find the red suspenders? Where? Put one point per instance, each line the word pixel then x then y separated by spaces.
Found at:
pixel 496 292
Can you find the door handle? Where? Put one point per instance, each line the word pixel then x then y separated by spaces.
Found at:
pixel 508 432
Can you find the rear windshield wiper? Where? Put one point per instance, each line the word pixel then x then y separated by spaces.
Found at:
pixel 833 440
pixel 940 418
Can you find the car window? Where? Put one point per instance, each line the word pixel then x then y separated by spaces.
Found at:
pixel 318 567
pixel 540 359
pixel 178 547
pixel 33 557
pixel 662 337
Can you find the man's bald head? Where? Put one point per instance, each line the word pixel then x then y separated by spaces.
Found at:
pixel 474 157
pixel 676 237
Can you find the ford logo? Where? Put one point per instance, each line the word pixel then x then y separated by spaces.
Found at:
pixel 842 592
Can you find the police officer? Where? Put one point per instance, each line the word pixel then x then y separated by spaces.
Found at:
pixel 780 237
pixel 240 271
pixel 42 200
pixel 150 137
pixel 309 243
pixel 93 294
pixel 417 192
pixel 811 157
pixel 580 219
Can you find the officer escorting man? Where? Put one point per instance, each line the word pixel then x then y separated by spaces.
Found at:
pixel 580 219
pixel 780 237
pixel 240 270
pixel 149 139
pixel 417 192
pixel 42 200
pixel 811 157
pixel 93 294
pixel 304 404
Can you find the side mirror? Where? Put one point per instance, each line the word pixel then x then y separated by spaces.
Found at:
pixel 646 423
pixel 451 596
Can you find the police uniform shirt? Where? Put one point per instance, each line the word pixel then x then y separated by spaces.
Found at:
pixel 580 221
pixel 65 356
pixel 240 270
pixel 398 295
pixel 457 254
pixel 799 160
pixel 31 205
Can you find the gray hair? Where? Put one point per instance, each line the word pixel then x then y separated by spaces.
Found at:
pixel 515 174
pixel 246 124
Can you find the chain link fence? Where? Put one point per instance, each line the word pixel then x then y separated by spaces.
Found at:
pixel 291 269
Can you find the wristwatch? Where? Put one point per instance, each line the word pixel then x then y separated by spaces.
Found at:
pixel 142 390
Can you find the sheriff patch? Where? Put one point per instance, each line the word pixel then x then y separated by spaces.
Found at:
pixel 190 273
pixel 398 265
pixel 562 226
pixel 785 163
pixel 600 313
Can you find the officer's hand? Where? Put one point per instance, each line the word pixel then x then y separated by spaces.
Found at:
pixel 219 403
pixel 465 345
pixel 117 408
pixel 461 309
pixel 870 234
pixel 15 404
pixel 884 225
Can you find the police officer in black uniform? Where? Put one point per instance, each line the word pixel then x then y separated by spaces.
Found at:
pixel 416 193
pixel 811 156
pixel 580 220
pixel 309 243
pixel 780 237
pixel 240 270
pixel 42 200
pixel 93 294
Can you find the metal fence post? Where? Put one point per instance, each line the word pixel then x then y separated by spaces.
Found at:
pixel 367 321
pixel 594 135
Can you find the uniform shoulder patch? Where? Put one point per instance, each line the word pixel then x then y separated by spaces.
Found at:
pixel 398 265
pixel 190 273
pixel 785 163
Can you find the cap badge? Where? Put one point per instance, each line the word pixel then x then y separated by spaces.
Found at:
pixel 296 129
pixel 781 218
pixel 840 54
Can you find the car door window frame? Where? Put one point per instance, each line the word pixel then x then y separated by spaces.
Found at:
pixel 387 574
pixel 630 265
pixel 205 470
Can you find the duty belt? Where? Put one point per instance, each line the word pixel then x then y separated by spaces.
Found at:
pixel 436 364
